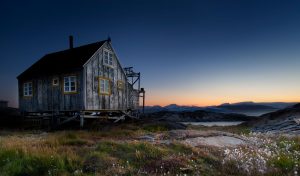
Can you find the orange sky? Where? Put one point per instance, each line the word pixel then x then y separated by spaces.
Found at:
pixel 198 99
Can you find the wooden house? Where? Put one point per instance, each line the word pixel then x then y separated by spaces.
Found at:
pixel 85 78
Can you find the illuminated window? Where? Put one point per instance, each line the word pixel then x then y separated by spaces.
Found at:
pixel 27 89
pixel 104 86
pixel 70 84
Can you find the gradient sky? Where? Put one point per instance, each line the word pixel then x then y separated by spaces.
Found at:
pixel 189 52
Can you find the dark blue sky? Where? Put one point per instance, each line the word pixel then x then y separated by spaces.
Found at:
pixel 189 52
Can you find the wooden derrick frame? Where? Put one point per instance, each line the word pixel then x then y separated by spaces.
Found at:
pixel 135 78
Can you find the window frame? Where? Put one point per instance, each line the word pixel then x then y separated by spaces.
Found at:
pixel 100 92
pixel 27 90
pixel 120 85
pixel 110 58
pixel 70 91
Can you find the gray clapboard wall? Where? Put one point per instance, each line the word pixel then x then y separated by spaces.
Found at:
pixel 47 97
pixel 95 68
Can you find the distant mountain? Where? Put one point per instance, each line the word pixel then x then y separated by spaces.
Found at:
pixel 277 105
pixel 196 116
pixel 171 108
pixel 254 109
pixel 151 109
pixel 175 107
pixel 249 108
pixel 246 108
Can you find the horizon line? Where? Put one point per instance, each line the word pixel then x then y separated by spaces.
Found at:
pixel 225 103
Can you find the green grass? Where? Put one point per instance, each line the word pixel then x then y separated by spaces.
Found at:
pixel 72 138
pixel 87 153
pixel 131 157
pixel 178 148
pixel 284 162
pixel 135 153
pixel 114 151
pixel 155 128
pixel 17 162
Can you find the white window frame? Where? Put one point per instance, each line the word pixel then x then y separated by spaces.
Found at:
pixel 27 89
pixel 104 86
pixel 108 58
pixel 68 84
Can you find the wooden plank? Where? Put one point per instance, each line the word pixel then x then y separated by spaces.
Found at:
pixel 89 87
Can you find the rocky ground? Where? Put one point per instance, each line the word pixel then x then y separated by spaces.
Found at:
pixel 158 145
pixel 286 121
pixel 197 138
pixel 148 149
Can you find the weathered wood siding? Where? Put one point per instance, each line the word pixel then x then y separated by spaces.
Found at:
pixel 95 68
pixel 47 97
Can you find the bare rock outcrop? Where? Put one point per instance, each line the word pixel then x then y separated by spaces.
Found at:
pixel 286 121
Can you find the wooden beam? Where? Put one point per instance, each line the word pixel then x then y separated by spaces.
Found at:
pixel 81 121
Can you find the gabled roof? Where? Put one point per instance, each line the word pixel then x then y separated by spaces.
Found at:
pixel 62 61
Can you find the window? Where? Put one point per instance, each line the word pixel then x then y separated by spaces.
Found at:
pixel 104 86
pixel 120 84
pixel 27 89
pixel 108 58
pixel 55 82
pixel 70 84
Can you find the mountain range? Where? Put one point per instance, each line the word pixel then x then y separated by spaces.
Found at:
pixel 246 108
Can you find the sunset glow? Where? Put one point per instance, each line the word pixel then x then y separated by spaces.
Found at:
pixel 193 53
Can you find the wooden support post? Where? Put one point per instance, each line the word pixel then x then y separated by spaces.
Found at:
pixel 58 120
pixel 143 96
pixel 144 102
pixel 81 121
pixel 139 77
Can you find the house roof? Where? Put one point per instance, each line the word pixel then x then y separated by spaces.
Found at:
pixel 62 61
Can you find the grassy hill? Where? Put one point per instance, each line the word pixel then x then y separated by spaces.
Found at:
pixel 144 148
